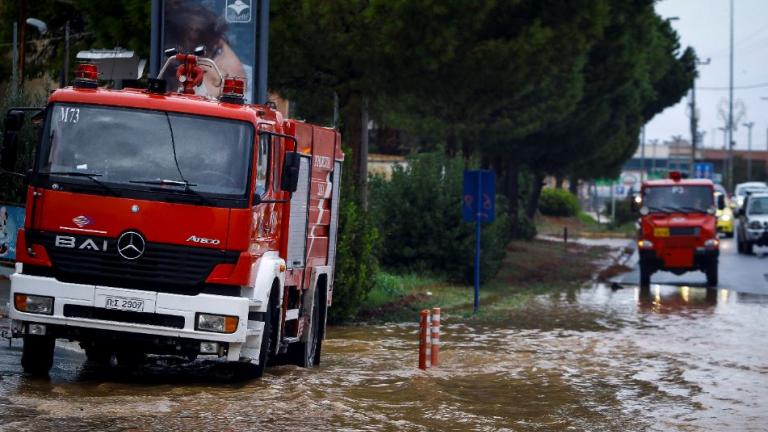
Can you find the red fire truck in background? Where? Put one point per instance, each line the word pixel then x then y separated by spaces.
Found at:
pixel 162 222
pixel 678 230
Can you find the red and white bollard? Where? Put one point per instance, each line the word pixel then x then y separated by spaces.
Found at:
pixel 424 345
pixel 429 338
pixel 435 357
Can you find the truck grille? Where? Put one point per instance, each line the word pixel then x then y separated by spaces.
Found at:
pixel 161 265
pixel 160 320
pixel 684 231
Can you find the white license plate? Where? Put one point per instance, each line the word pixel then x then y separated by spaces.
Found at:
pixel 124 303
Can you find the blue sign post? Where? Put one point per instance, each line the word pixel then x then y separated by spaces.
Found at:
pixel 479 205
pixel 704 170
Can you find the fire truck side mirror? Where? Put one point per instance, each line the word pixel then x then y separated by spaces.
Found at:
pixel 289 181
pixel 12 124
pixel 635 203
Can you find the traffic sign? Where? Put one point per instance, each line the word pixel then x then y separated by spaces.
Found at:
pixel 704 170
pixel 478 206
pixel 479 199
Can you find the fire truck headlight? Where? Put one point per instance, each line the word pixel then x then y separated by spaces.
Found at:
pixel 712 243
pixel 33 304
pixel 216 323
pixel 645 244
pixel 644 210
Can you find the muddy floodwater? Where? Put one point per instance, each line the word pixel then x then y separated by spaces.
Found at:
pixel 593 359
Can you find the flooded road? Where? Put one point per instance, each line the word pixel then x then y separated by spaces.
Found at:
pixel 673 358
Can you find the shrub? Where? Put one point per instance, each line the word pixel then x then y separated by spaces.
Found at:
pixel 624 211
pixel 356 263
pixel 558 202
pixel 418 213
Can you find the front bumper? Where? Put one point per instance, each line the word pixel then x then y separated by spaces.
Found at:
pixel 725 226
pixel 69 297
pixel 702 259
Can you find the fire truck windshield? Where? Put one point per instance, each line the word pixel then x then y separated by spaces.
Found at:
pixel 679 198
pixel 128 148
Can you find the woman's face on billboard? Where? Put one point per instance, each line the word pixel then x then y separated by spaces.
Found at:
pixel 229 65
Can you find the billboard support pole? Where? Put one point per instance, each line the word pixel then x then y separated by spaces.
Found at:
pixel 154 40
pixel 262 53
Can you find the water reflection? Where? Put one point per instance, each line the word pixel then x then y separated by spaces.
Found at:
pixel 665 300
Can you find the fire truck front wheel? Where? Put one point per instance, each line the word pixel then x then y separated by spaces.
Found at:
pixel 37 354
pixel 268 341
pixel 645 275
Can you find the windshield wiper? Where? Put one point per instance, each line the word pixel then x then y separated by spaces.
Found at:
pixel 167 182
pixel 657 209
pixel 91 176
pixel 164 182
pixel 692 209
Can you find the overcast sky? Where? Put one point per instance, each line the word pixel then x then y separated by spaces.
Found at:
pixel 704 25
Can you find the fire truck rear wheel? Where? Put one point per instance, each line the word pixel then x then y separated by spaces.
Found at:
pixel 99 355
pixel 37 354
pixel 307 354
pixel 130 358
pixel 712 275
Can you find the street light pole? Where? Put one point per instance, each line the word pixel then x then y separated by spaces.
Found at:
pixel 694 122
pixel 642 154
pixel 15 66
pixel 730 108
pixel 749 126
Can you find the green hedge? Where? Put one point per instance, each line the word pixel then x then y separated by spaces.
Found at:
pixel 418 213
pixel 558 202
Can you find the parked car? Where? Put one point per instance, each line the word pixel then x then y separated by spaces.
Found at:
pixel 724 214
pixel 752 229
pixel 749 187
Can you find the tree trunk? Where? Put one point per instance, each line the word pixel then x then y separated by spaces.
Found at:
pixel 451 143
pixel 573 185
pixel 559 182
pixel 363 167
pixel 351 108
pixel 512 191
pixel 537 182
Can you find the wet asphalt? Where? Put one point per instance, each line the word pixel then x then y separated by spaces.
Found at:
pixel 603 357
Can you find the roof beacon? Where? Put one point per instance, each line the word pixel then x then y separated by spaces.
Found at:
pixel 234 91
pixel 86 76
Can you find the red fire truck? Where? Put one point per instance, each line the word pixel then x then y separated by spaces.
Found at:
pixel 678 230
pixel 162 222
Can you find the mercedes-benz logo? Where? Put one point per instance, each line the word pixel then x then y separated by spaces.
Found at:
pixel 130 245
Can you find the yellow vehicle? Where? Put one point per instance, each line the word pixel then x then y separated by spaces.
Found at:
pixel 724 214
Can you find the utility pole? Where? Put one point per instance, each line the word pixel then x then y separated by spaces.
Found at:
pixel 730 109
pixel 66 53
pixel 15 66
pixel 749 126
pixel 22 41
pixel 642 154
pixel 694 122
pixel 725 146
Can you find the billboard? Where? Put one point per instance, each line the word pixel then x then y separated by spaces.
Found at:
pixel 11 219
pixel 227 30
